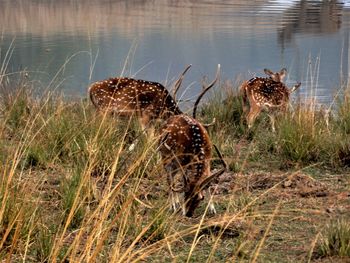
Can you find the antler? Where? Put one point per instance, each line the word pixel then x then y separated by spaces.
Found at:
pixel 207 125
pixel 205 89
pixel 200 186
pixel 179 81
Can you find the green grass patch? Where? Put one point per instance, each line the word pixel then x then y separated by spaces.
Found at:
pixel 335 240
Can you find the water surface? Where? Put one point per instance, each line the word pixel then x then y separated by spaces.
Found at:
pixel 65 45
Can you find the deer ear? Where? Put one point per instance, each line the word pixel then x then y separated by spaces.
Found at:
pixel 283 73
pixel 268 72
pixel 295 87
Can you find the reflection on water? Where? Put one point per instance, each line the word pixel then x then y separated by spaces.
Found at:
pixel 310 38
pixel 310 18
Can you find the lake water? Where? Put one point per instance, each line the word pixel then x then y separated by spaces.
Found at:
pixel 65 45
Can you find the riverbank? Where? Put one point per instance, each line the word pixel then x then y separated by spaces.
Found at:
pixel 71 189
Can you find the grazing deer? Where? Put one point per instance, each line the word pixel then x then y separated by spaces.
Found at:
pixel 126 97
pixel 186 149
pixel 269 94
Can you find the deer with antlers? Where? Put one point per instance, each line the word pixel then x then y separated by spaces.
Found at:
pixel 269 94
pixel 127 97
pixel 186 149
pixel 184 144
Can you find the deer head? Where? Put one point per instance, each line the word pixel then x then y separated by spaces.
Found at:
pixel 186 148
pixel 276 76
pixel 266 94
pixel 126 97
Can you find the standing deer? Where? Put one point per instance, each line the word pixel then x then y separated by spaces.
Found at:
pixel 269 94
pixel 186 149
pixel 127 97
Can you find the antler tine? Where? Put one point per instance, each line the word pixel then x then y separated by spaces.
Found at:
pixel 205 89
pixel 220 156
pixel 207 125
pixel 180 79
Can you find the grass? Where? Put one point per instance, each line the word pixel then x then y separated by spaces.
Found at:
pixel 336 240
pixel 70 189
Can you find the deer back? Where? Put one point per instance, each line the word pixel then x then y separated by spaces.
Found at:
pixel 126 96
pixel 185 138
pixel 266 92
pixel 186 147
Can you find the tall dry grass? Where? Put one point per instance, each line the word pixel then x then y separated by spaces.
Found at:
pixel 70 189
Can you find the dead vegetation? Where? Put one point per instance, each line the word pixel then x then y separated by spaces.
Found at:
pixel 70 190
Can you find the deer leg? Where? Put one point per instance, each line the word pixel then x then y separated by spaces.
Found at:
pixel 211 206
pixel 174 195
pixel 243 92
pixel 132 146
pixel 272 119
pixel 175 201
pixel 144 121
pixel 212 209
pixel 245 107
pixel 146 125
pixel 253 113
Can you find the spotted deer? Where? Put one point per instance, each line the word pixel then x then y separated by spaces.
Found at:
pixel 127 97
pixel 269 94
pixel 186 151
